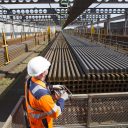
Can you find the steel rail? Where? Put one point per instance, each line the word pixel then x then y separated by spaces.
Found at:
pixel 91 56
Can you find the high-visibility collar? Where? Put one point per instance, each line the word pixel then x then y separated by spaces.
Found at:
pixel 39 82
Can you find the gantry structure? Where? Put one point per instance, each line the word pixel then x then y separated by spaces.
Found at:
pixel 67 12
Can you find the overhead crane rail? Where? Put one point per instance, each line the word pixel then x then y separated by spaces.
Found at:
pixel 55 1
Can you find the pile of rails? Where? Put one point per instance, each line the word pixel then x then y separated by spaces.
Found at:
pixel 16 50
pixel 95 59
pixel 85 67
pixel 64 68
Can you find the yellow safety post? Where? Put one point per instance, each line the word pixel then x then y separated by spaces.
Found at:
pixel 37 40
pixel 5 46
pixel 12 35
pixel 55 31
pixel 21 37
pixel 92 32
pixel 99 36
pixel 48 31
pixel 35 35
pixel 25 36
pixel 44 35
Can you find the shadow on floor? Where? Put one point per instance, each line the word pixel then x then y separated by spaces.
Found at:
pixel 11 95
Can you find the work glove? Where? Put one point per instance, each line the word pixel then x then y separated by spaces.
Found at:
pixel 59 87
pixel 61 93
pixel 65 96
pixel 56 91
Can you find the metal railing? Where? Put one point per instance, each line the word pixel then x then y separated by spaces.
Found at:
pixel 103 110
pixel 17 117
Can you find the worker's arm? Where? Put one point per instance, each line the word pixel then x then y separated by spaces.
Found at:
pixel 48 105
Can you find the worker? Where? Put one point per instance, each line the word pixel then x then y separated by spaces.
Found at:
pixel 40 106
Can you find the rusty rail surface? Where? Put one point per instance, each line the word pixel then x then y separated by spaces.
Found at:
pixel 63 66
pixel 116 41
pixel 67 67
pixel 97 59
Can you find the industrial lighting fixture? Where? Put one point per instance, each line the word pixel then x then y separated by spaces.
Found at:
pixel 64 3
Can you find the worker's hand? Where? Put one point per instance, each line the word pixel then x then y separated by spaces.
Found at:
pixel 56 91
pixel 56 97
pixel 65 96
pixel 58 87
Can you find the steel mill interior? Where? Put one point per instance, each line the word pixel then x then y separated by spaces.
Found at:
pixel 86 42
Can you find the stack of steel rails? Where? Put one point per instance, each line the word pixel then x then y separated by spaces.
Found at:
pixel 105 69
pixel 64 68
pixel 29 44
pixel 16 50
pixel 95 59
pixel 85 67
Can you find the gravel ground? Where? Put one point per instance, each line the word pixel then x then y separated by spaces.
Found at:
pixel 5 82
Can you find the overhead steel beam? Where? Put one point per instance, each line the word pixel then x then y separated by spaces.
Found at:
pixel 55 19
pixel 112 19
pixel 31 11
pixel 25 17
pixel 95 20
pixel 28 11
pixel 42 16
pixel 83 17
pixel 26 1
pixel 106 10
pixel 54 1
pixel 111 1
pixel 81 5
pixel 37 18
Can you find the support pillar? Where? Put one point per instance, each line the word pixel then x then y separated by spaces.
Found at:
pixel 12 31
pixel 92 31
pixel 23 31
pixel 108 25
pixel 98 30
pixel 126 23
pixel 48 32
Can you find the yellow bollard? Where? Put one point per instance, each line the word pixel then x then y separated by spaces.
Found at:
pixel 21 37
pixel 92 32
pixel 12 35
pixel 5 46
pixel 48 32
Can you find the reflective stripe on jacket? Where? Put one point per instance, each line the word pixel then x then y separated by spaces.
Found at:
pixel 41 107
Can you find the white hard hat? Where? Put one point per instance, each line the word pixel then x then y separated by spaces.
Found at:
pixel 37 65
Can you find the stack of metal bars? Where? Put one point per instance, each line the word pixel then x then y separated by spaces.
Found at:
pixel 63 64
pixel 16 50
pixel 86 68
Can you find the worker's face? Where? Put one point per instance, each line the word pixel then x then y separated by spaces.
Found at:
pixel 45 73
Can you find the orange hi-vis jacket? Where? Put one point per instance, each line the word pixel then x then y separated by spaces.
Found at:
pixel 41 109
